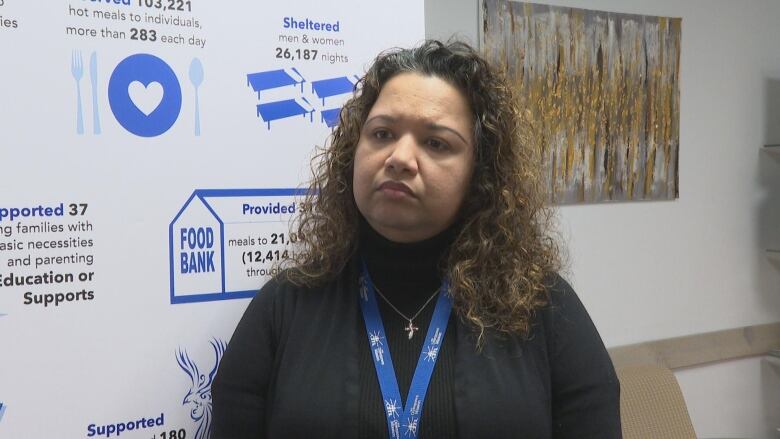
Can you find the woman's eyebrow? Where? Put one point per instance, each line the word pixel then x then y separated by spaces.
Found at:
pixel 381 117
pixel 431 126
pixel 437 127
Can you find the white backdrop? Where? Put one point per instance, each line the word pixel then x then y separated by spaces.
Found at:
pixel 149 152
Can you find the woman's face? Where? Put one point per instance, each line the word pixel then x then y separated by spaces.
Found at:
pixel 414 158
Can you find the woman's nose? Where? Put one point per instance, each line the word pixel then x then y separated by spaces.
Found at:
pixel 403 158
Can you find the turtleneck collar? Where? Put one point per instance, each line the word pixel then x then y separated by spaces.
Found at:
pixel 405 272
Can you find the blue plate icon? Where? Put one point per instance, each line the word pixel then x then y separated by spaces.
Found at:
pixel 146 73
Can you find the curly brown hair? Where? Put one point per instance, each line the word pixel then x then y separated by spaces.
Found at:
pixel 503 256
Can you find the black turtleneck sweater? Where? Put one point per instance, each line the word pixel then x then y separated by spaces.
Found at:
pixel 298 365
pixel 407 275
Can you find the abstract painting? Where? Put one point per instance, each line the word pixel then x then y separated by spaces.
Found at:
pixel 601 94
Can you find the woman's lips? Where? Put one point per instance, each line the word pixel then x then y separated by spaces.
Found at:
pixel 395 189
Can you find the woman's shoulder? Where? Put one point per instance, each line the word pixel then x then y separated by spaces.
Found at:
pixel 563 311
pixel 284 292
pixel 565 319
pixel 561 297
pixel 279 291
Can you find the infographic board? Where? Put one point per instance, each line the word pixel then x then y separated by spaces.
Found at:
pixel 153 153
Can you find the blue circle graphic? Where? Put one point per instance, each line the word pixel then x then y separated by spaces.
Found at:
pixel 146 69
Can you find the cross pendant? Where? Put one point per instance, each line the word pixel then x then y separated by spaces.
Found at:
pixel 410 328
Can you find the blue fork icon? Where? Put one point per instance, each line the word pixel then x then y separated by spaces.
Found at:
pixel 77 70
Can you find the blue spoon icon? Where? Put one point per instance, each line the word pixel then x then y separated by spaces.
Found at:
pixel 196 78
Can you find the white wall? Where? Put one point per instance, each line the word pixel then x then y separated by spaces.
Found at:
pixel 652 270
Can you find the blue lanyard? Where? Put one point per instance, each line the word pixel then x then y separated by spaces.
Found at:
pixel 404 419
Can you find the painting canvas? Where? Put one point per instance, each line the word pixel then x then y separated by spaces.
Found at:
pixel 601 94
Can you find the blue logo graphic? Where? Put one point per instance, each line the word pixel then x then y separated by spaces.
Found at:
pixel 198 398
pixel 297 104
pixel 145 95
pixel 202 267
pixel 2 410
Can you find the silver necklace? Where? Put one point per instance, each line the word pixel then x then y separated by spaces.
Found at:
pixel 410 328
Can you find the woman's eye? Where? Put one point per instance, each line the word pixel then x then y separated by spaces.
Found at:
pixel 382 134
pixel 437 145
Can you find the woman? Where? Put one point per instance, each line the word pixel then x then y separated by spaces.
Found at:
pixel 428 240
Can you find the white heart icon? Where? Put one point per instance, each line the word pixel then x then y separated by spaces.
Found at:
pixel 146 98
